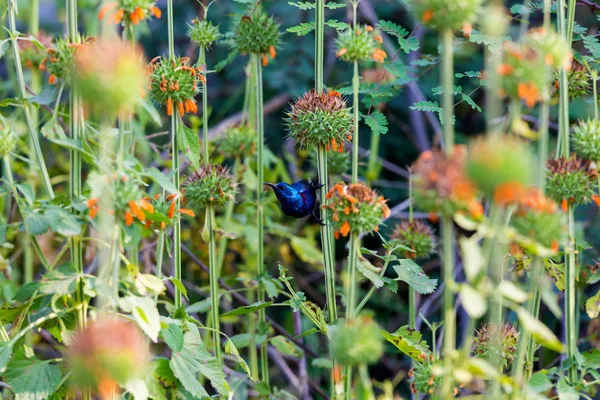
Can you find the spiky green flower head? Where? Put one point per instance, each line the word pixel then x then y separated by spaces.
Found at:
pixel 443 14
pixel 360 45
pixel 554 48
pixel 257 34
pixel 110 76
pixel 570 180
pixel 60 60
pixel 578 80
pixel 317 120
pixel 355 208
pixel 203 33
pixel 423 380
pixel 492 345
pixel 33 52
pixel 338 163
pixel 212 184
pixel 586 140
pixel 356 341
pixel 418 236
pixel 538 219
pixel 238 142
pixel 174 83
pixel 496 160
pixel 525 73
pixel 442 185
pixel 8 140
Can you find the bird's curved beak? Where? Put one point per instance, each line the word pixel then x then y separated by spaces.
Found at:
pixel 271 185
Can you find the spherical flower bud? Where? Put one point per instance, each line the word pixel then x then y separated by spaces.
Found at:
pixel 423 380
pixel 418 236
pixel 497 347
pixel 356 208
pixel 338 163
pixel 357 341
pixel 8 141
pixel 203 33
pixel 359 45
pixel 525 73
pixel 538 218
pixel 60 60
pixel 578 81
pixel 33 52
pixel 257 34
pixel 570 180
pixel 443 14
pixel 320 120
pixel 110 76
pixel 212 184
pixel 586 140
pixel 124 196
pixel 498 160
pixel 174 83
pixel 108 352
pixel 441 183
pixel 553 47
pixel 129 11
pixel 237 142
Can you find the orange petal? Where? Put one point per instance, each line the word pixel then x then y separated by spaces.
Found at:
pixel 272 52
pixel 157 12
pixel 128 218
pixel 187 212
pixel 265 60
pixel 169 107
pixel 596 199
pixel 181 109
pixel 137 211
pixel 345 229
pixel 52 79
pixel 171 212
pixel 104 9
pixel 93 212
pixel 118 16
pixel 427 16
pixel 92 202
pixel 564 204
pixel 146 205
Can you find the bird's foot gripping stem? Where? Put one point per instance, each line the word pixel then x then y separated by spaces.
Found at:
pixel 317 185
pixel 321 221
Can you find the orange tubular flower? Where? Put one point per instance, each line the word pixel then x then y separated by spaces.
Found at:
pixel 596 199
pixel 427 16
pixel 105 9
pixel 187 212
pixel 52 79
pixel 265 60
pixel 171 212
pixel 508 193
pixel 272 52
pixel 157 12
pixel 137 211
pixel 118 16
pixel 564 205
pixel 181 109
pixel 379 55
pixel 341 52
pixel 505 69
pixel 529 93
pixel 169 107
pixel 128 218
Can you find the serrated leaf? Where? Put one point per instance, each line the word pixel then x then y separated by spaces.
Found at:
pixel 470 101
pixel 369 271
pixel 285 346
pixel 35 223
pixel 5 353
pixel 232 350
pixel 493 42
pixel 179 285
pixel 62 221
pixel 539 382
pixel 591 359
pixel 410 342
pixel 173 336
pixel 60 281
pixel 333 5
pixel 407 44
pixel 302 29
pixel 243 310
pixel 397 69
pixel 592 305
pixel 303 5
pixel 540 332
pixel 566 391
pixel 410 272
pixel 377 121
pixel 32 379
pixel 144 312
pixel 189 144
pixel 162 180
pixel 334 23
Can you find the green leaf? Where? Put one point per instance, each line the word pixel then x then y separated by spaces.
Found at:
pixel 472 301
pixel 61 281
pixel 173 336
pixel 303 5
pixel 411 273
pixel 410 342
pixel 539 382
pixel 4 45
pixel 46 97
pixel 30 378
pixel 591 359
pixel 306 250
pixel 369 271
pixel 35 223
pixel 322 363
pixel 406 43
pixel 303 29
pixel 377 122
pixel 179 285
pixel 557 272
pixel 473 260
pixel 193 359
pixel 243 310
pixel 470 101
pixel 334 23
pixel 286 346
pixel 199 307
pixel 162 180
pixel 540 332
pixel 566 391
pixel 333 5
pixel 494 43
pixel 149 285
pixel 233 351
pixel 62 222
pixel 189 144
pixel 592 305
pixel 5 353
pixel 396 68
pixel 144 312
pixel 26 290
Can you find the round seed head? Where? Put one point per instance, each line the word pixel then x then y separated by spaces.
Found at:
pixel 203 33
pixel 212 184
pixel 578 80
pixel 238 142
pixel 423 379
pixel 360 45
pixel 492 345
pixel 553 48
pixel 320 120
pixel 257 33
pixel 570 180
pixel 32 54
pixel 442 14
pixel 356 341
pixel 586 140
pixel 60 60
pixel 417 235
pixel 356 208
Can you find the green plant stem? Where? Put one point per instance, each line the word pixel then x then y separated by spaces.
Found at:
pixel 222 246
pixel 372 166
pixel 565 27
pixel 447 77
pixel 371 291
pixel 33 136
pixel 355 106
pixel 160 253
pixel 354 247
pixel 595 88
pixel 260 171
pixel 412 294
pixel 570 296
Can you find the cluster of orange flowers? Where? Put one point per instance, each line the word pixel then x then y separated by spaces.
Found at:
pixel 134 209
pixel 135 16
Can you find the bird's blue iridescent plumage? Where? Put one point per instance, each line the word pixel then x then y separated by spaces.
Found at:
pixel 297 200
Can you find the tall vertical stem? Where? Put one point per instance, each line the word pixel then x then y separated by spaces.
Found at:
pixel 447 77
pixel 412 294
pixel 33 136
pixel 175 166
pixel 260 175
pixel 355 106
pixel 570 297
pixel 354 247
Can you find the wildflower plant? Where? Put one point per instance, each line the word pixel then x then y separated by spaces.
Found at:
pixel 33 51
pixel 586 140
pixel 212 184
pixel 356 342
pixel 258 34
pixel 440 14
pixel 498 347
pixel 360 45
pixel 60 60
pixel 320 120
pixel 571 180
pixel 129 11
pixel 174 83
pixel 416 235
pixel 237 142
pixel 203 33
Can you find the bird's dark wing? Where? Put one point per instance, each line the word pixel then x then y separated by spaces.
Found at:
pixel 303 186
